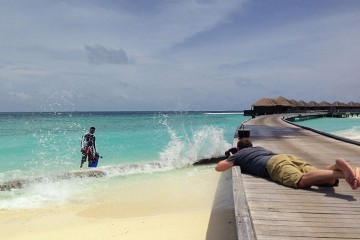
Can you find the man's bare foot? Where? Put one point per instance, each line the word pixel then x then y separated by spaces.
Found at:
pixel 349 173
pixel 357 177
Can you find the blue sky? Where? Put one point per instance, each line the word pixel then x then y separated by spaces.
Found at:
pixel 176 55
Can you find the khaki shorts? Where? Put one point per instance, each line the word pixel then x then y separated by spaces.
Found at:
pixel 287 169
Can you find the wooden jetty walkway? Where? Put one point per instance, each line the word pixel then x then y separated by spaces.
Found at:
pixel 266 210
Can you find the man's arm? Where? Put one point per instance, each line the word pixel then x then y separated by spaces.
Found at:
pixel 223 165
pixel 94 143
pixel 83 141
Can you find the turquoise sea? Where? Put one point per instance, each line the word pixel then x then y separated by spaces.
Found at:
pixel 133 145
pixel 344 127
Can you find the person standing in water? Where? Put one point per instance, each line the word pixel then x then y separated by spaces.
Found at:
pixel 88 147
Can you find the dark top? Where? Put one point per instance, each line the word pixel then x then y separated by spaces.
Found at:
pixel 252 160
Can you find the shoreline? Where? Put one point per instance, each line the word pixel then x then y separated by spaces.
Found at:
pixel 175 203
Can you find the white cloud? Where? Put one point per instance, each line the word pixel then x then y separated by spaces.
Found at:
pixel 101 55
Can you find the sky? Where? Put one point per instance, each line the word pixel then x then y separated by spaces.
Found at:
pixel 181 55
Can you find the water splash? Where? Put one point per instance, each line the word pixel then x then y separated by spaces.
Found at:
pixel 206 142
pixel 352 133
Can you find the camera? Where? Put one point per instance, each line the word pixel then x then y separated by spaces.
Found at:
pixel 231 150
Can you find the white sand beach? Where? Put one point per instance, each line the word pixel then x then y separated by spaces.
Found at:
pixel 174 204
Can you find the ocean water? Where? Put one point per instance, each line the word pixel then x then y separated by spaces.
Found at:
pixel 344 127
pixel 39 147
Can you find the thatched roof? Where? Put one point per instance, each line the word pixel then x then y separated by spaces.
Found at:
pixel 301 103
pixel 324 104
pixel 312 104
pixel 294 102
pixel 281 101
pixel 268 102
pixel 353 104
pixel 337 104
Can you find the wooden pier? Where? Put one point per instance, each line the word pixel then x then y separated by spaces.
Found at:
pixel 266 210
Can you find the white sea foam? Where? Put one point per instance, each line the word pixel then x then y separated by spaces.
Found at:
pixel 42 194
pixel 352 133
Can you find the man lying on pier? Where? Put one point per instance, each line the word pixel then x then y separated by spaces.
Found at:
pixel 287 169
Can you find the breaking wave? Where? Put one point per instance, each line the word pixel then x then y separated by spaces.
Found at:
pixel 352 133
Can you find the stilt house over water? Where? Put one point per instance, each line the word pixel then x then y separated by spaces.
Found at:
pixel 266 106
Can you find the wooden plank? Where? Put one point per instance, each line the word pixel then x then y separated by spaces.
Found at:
pixel 303 209
pixel 281 215
pixel 307 223
pixel 318 229
pixel 307 234
pixel 267 237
